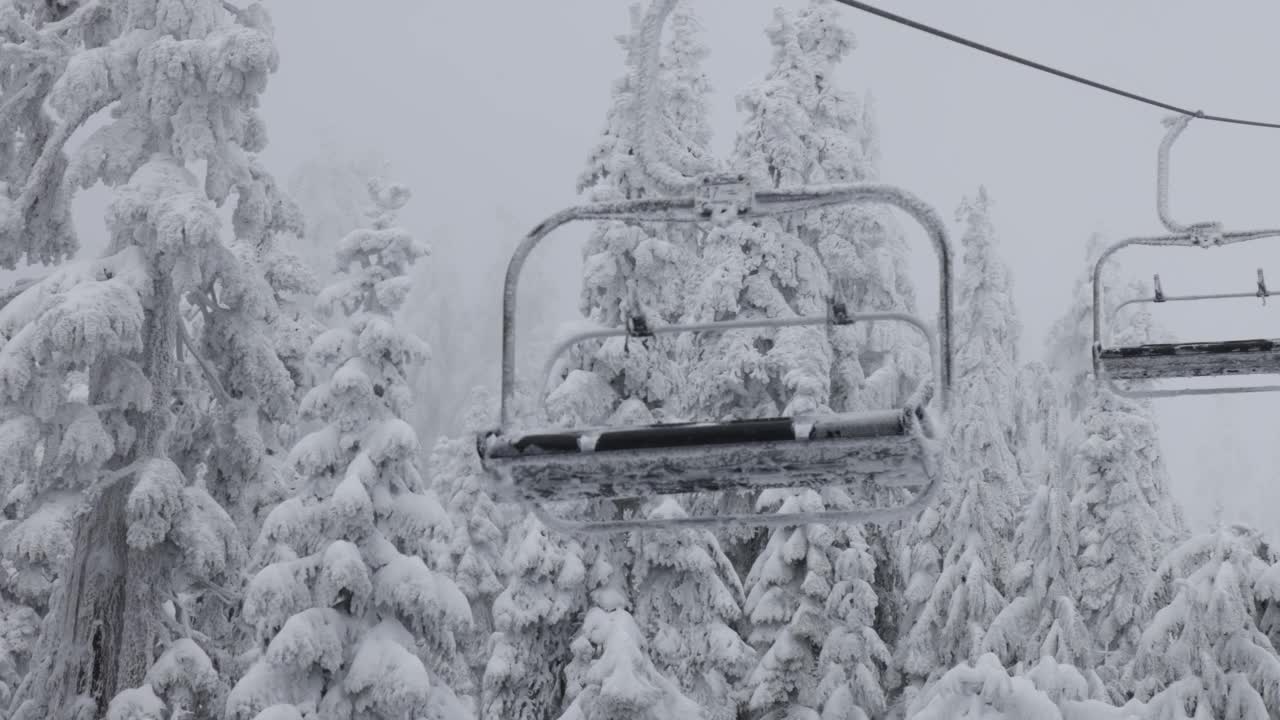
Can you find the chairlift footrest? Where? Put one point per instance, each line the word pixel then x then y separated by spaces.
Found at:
pixel 1187 360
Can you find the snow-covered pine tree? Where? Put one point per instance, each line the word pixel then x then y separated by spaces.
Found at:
pixel 235 418
pixel 35 45
pixel 811 608
pixel 481 526
pixel 986 372
pixel 1036 424
pixel 985 690
pixel 688 600
pixel 1109 452
pixel 181 81
pixel 1043 618
pixel 353 618
pixel 981 689
pixel 1202 653
pixel 251 338
pixel 864 254
pixel 535 617
pixel 1119 489
pixel 957 562
pixel 615 679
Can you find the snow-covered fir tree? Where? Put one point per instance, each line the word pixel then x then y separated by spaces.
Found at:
pixel 688 600
pixel 118 369
pixel 1202 654
pixel 616 680
pixel 988 331
pixel 1118 490
pixel 810 609
pixel 1037 424
pixel 535 617
pixel 249 341
pixel 957 561
pixel 353 618
pixel 1110 457
pixel 985 690
pixel 1043 618
pixel 481 526
pixel 982 690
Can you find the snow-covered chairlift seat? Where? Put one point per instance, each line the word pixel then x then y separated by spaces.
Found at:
pixel 1181 360
pixel 892 448
pixel 1158 361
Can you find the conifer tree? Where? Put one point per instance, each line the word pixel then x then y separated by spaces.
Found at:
pixel 1043 618
pixel 99 353
pixel 688 601
pixel 535 617
pixel 958 562
pixel 616 680
pixel 353 616
pixel 810 606
pixel 481 527
pixel 1202 653
pixel 1121 535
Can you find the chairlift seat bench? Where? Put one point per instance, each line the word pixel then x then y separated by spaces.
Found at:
pixel 1192 359
pixel 676 458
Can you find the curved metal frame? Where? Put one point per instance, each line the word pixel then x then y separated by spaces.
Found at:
pixel 768 203
pixel 1203 235
pixel 724 326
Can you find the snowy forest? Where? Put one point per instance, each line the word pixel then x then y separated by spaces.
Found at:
pixel 239 474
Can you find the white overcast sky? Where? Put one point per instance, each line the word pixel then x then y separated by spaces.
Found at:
pixel 482 106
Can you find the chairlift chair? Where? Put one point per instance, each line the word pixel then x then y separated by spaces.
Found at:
pixel 1167 361
pixel 891 448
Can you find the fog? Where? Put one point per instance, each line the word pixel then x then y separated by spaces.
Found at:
pixel 488 109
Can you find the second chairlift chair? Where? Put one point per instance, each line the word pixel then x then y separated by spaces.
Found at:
pixel 1166 361
pixel 896 447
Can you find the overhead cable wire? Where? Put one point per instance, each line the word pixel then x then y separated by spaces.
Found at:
pixel 908 22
